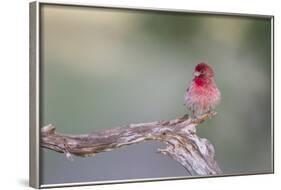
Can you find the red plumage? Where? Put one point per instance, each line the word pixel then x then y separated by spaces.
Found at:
pixel 203 94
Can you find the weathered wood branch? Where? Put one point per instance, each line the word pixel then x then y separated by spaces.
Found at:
pixel 195 154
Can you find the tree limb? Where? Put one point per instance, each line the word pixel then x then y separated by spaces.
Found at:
pixel 195 154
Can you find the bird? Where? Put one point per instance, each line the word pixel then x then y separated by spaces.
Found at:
pixel 203 95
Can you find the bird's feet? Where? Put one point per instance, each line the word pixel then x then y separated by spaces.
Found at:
pixel 194 117
pixel 211 114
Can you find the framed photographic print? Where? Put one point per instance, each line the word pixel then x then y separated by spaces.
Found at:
pixel 134 94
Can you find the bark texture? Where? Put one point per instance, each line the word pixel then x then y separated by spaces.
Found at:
pixel 195 154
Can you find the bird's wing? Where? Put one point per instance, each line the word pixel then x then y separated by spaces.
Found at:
pixel 185 96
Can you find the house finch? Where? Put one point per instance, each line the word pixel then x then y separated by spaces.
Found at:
pixel 203 94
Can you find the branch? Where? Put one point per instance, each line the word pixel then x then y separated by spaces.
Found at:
pixel 195 154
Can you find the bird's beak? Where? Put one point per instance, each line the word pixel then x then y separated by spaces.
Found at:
pixel 196 73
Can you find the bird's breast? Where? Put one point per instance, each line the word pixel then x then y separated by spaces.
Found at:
pixel 206 96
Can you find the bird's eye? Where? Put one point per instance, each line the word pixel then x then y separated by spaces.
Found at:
pixel 202 72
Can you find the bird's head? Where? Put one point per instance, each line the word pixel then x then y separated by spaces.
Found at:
pixel 203 70
pixel 204 74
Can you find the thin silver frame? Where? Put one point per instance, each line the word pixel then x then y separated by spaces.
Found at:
pixel 34 93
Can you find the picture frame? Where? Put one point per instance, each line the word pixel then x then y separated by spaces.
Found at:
pixel 43 135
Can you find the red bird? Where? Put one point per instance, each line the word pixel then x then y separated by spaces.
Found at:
pixel 203 94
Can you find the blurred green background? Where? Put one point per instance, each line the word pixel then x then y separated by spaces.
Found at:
pixel 103 68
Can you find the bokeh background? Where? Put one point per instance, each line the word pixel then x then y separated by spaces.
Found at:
pixel 103 68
